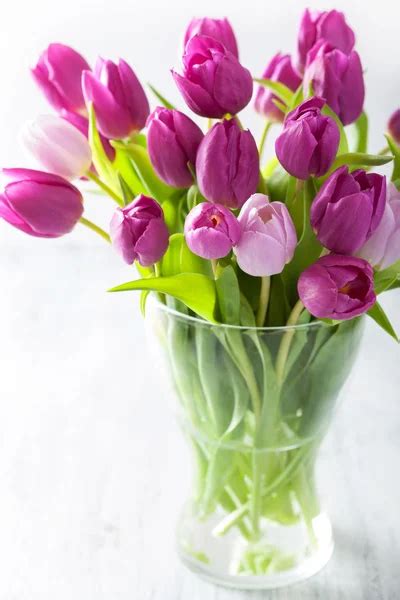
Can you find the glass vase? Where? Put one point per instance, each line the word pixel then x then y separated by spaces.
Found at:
pixel 254 405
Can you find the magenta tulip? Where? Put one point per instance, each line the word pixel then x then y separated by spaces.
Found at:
pixel 58 73
pixel 211 230
pixel 138 232
pixel 268 238
pixel 383 247
pixel 394 126
pixel 58 146
pixel 218 29
pixel 279 69
pixel 337 77
pixel 337 287
pixel 329 26
pixel 119 101
pixel 213 82
pixel 309 141
pixel 40 204
pixel 227 164
pixel 348 209
pixel 172 142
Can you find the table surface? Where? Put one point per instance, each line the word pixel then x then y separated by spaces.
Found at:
pixel 93 469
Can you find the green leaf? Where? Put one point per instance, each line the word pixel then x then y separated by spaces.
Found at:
pixel 343 144
pixel 127 193
pixel 161 98
pixel 379 316
pixel 228 294
pixel 194 197
pixel 180 259
pixel 386 279
pixel 277 184
pixel 395 150
pixel 361 127
pixel 297 98
pixel 193 289
pixel 145 174
pixel 102 163
pixel 270 167
pixel 279 89
pixel 323 379
pixel 308 247
pixel 360 160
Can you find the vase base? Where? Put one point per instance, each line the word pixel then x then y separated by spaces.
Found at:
pixel 226 562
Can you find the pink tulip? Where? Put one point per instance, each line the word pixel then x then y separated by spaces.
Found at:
pixel 268 239
pixel 58 146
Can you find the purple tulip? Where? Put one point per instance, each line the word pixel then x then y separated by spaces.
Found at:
pixel 383 247
pixel 394 126
pixel 58 73
pixel 218 29
pixel 138 231
pixel 348 209
pixel 211 230
pixel 268 239
pixel 337 287
pixel 329 26
pixel 82 124
pixel 213 83
pixel 227 164
pixel 119 101
pixel 40 204
pixel 337 77
pixel 58 146
pixel 309 141
pixel 172 142
pixel 279 69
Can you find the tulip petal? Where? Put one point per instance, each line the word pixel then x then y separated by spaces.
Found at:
pixel 260 255
pixel 198 99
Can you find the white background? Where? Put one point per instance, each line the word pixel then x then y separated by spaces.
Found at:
pixel 91 472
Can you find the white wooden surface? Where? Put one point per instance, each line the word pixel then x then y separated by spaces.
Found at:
pixel 93 469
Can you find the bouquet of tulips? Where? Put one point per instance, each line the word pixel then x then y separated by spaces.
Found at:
pixel 225 236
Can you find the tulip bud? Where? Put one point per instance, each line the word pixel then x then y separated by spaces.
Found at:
pixel 118 98
pixel 279 69
pixel 348 209
pixel 227 164
pixel 309 141
pixel 172 142
pixel 337 77
pixel 138 231
pixel 383 247
pixel 218 29
pixel 57 146
pixel 213 83
pixel 337 287
pixel 211 230
pixel 268 239
pixel 329 26
pixel 82 124
pixel 394 126
pixel 40 204
pixel 58 73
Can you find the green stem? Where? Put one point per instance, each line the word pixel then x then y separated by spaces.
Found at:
pixel 263 139
pixel 209 123
pixel 287 341
pixel 214 265
pixel 95 228
pixel 264 299
pixel 105 188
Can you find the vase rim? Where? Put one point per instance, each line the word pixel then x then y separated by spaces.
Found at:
pixel 204 323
